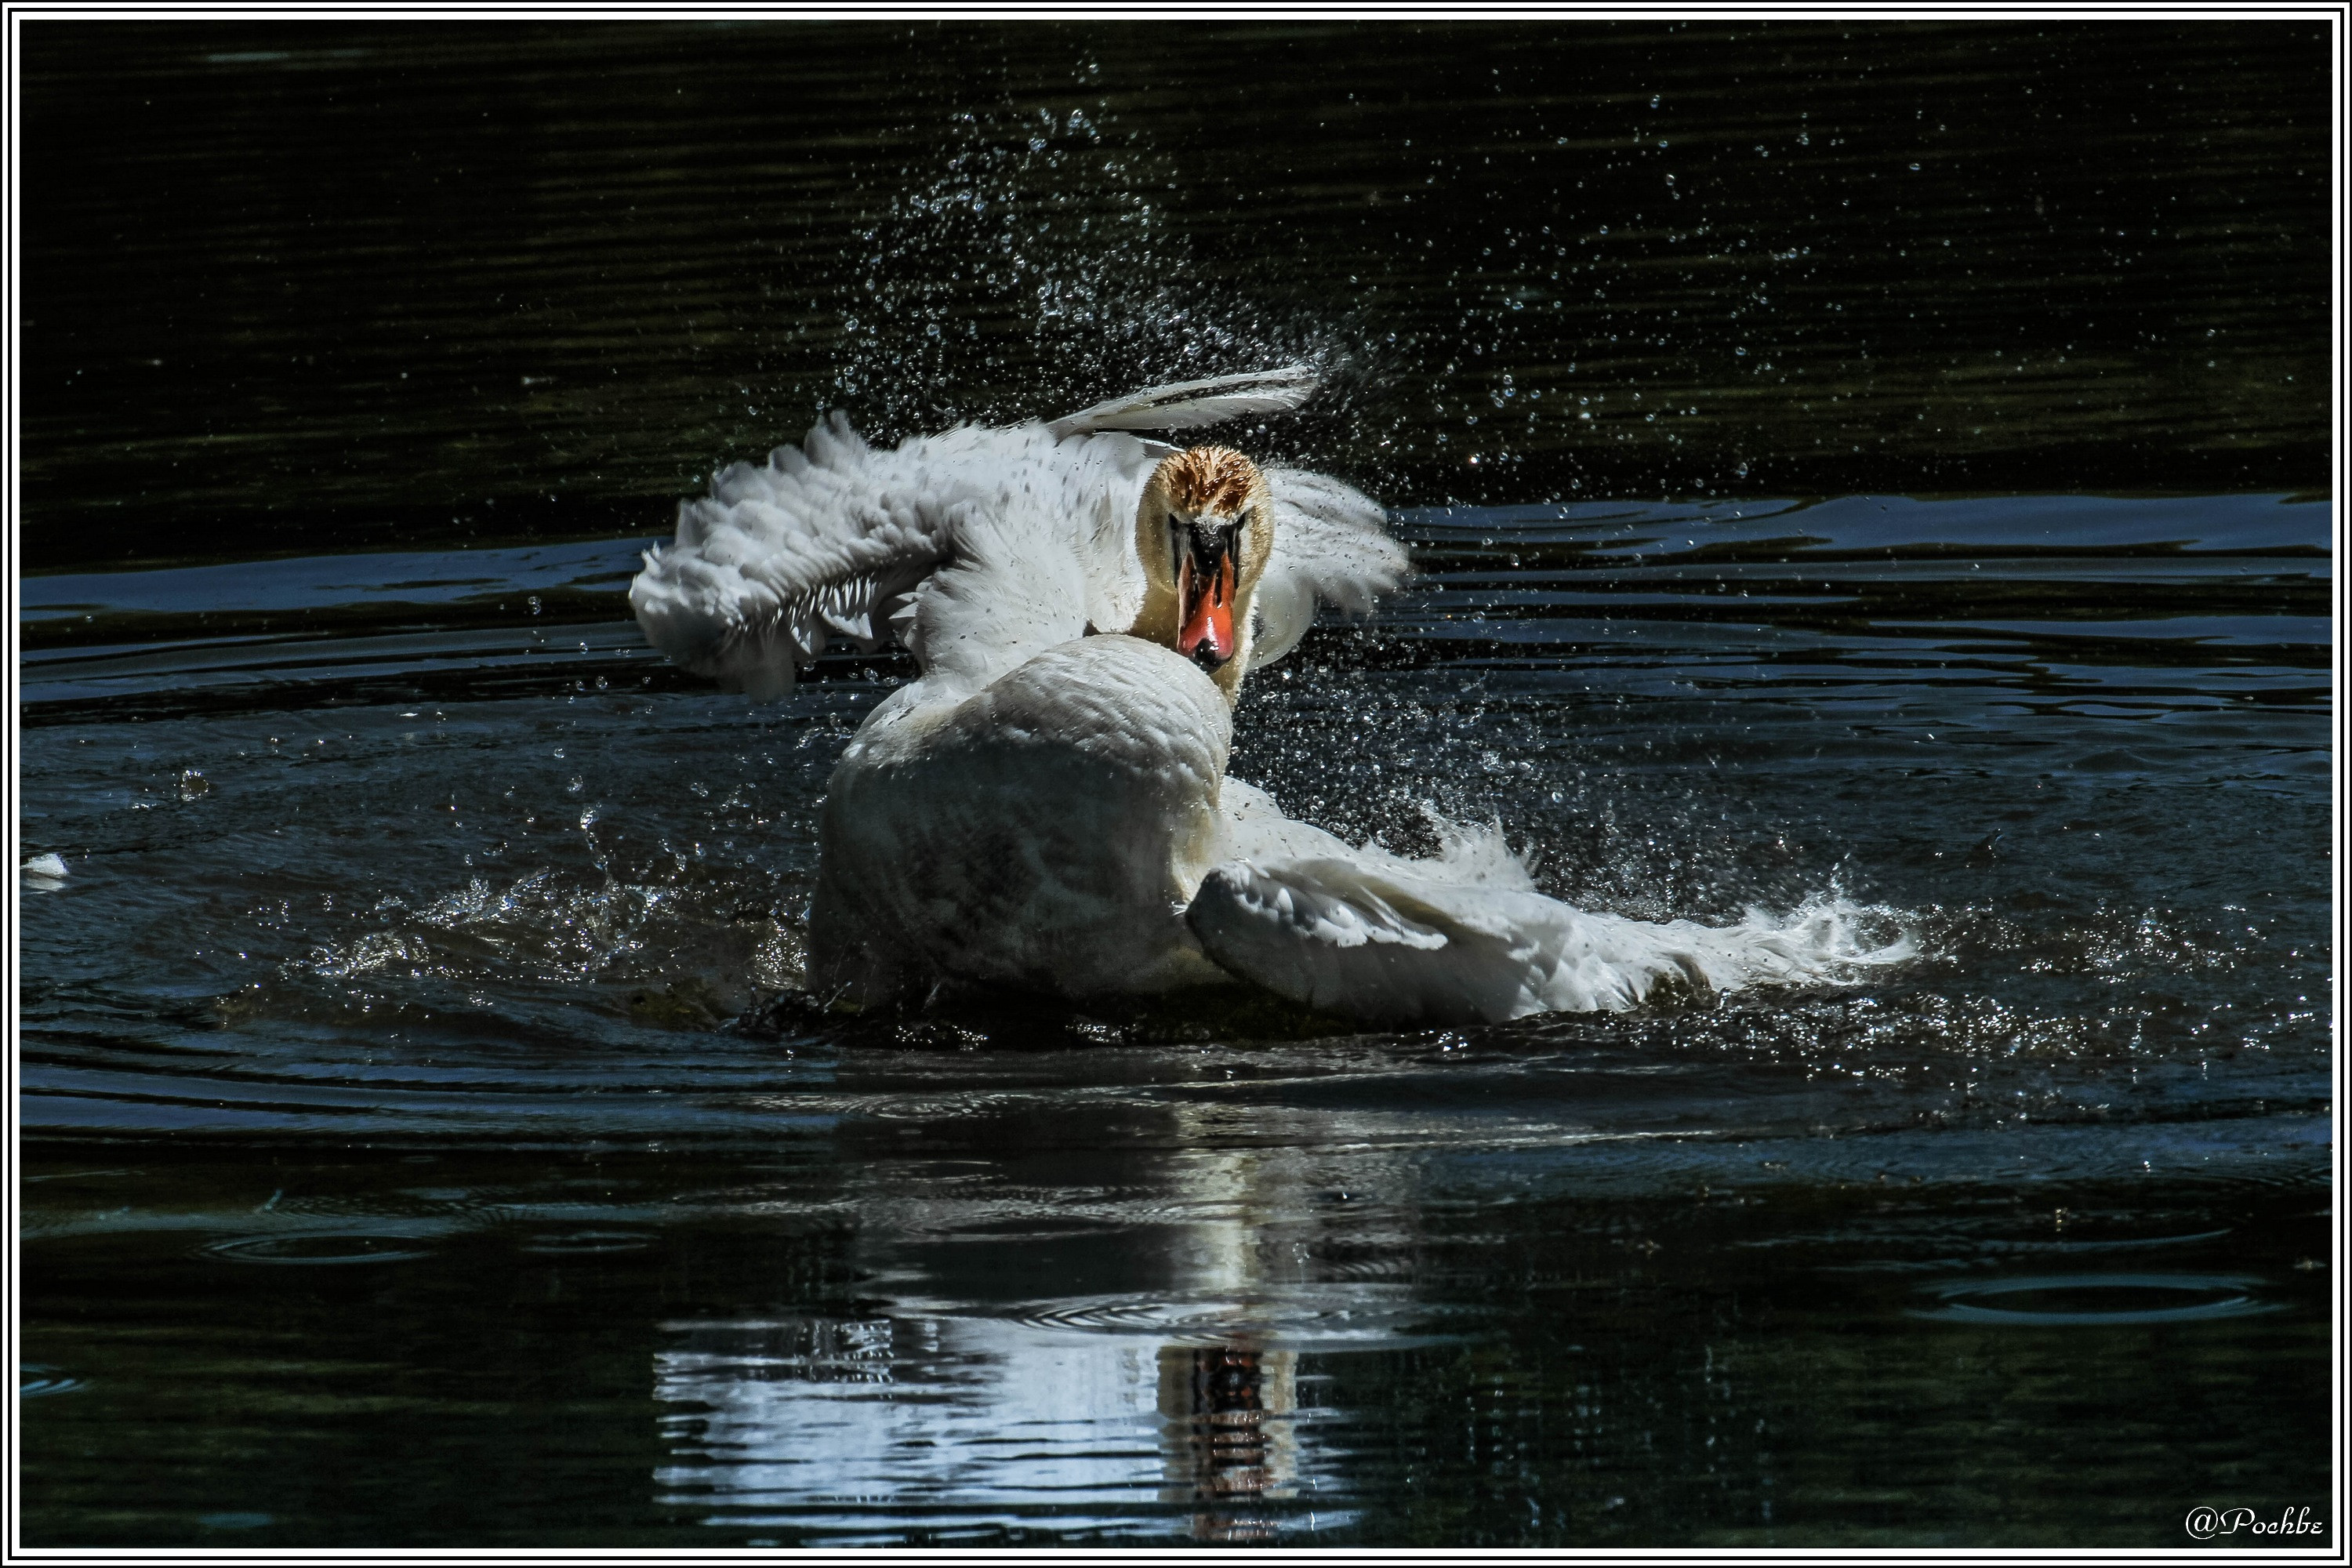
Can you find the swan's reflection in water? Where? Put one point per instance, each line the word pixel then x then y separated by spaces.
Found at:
pixel 1173 1406
pixel 946 1426
pixel 1229 1435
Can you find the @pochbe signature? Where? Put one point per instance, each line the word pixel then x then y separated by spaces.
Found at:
pixel 2204 1523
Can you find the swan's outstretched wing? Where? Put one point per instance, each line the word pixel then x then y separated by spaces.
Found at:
pixel 833 539
pixel 1331 543
pixel 1369 943
pixel 1466 938
pixel 822 540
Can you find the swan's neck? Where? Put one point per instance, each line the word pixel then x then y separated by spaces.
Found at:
pixel 1162 619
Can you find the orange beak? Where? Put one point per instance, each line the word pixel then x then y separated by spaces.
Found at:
pixel 1206 593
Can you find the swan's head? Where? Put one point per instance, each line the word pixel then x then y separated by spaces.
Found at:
pixel 1205 529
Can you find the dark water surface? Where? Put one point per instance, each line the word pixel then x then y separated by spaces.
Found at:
pixel 423 1145
pixel 317 287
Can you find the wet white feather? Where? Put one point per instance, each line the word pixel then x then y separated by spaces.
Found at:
pixel 1187 405
pixel 979 547
pixel 1464 937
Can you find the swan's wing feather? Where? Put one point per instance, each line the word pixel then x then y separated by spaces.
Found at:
pixel 1183 404
pixel 825 539
pixel 1322 933
pixel 833 538
pixel 1461 939
pixel 1331 544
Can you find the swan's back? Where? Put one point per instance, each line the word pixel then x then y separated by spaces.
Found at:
pixel 1044 833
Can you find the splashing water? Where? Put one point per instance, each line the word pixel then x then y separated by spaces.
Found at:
pixel 1039 240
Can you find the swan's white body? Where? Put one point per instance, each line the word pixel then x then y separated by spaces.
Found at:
pixel 1046 806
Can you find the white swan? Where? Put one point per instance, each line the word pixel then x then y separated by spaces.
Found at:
pixel 1045 806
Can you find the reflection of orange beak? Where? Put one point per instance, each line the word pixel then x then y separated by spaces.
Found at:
pixel 1206 593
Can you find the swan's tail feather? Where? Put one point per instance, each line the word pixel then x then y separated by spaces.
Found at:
pixel 1361 940
pixel 1182 404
